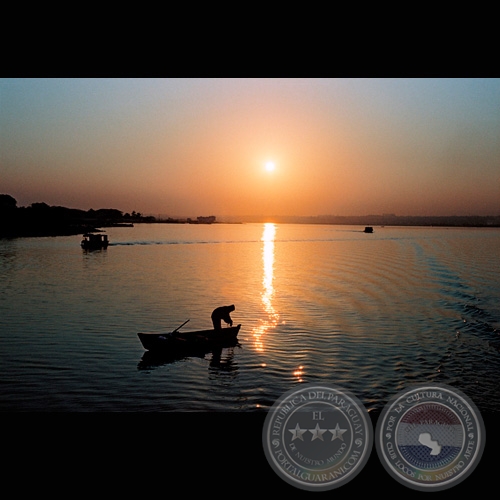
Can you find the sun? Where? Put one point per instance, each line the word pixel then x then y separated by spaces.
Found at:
pixel 270 166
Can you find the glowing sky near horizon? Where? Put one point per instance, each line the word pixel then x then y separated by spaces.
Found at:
pixel 203 146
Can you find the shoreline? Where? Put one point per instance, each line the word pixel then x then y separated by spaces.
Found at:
pixel 52 231
pixel 40 219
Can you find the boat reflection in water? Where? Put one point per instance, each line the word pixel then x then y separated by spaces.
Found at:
pixel 271 321
pixel 153 359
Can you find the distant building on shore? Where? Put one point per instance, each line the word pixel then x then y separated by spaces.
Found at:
pixel 206 220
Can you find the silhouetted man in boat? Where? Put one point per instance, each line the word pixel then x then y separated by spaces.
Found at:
pixel 222 313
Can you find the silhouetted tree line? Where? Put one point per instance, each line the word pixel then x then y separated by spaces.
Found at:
pixel 40 219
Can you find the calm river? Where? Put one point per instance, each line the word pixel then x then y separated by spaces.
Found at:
pixel 317 303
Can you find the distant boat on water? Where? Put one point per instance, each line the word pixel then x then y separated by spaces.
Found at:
pixel 93 241
pixel 368 229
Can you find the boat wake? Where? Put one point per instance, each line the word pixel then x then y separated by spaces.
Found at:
pixel 147 243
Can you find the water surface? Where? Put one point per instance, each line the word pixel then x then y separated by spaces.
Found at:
pixel 369 312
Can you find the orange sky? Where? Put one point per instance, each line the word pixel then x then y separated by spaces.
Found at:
pixel 199 146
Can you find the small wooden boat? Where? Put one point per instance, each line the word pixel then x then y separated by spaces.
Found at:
pixel 188 341
pixel 93 241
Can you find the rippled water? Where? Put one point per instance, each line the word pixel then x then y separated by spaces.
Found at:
pixel 369 312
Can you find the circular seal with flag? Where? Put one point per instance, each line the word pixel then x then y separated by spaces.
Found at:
pixel 430 438
pixel 317 437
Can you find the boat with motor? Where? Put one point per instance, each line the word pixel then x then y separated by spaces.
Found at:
pixel 92 241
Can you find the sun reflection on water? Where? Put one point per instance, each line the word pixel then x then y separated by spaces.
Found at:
pixel 298 373
pixel 268 237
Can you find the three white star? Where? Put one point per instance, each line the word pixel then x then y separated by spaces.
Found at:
pixel 317 433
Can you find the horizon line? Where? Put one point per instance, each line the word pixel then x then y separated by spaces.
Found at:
pixel 246 216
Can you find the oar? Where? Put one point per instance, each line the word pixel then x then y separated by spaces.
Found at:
pixel 179 327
